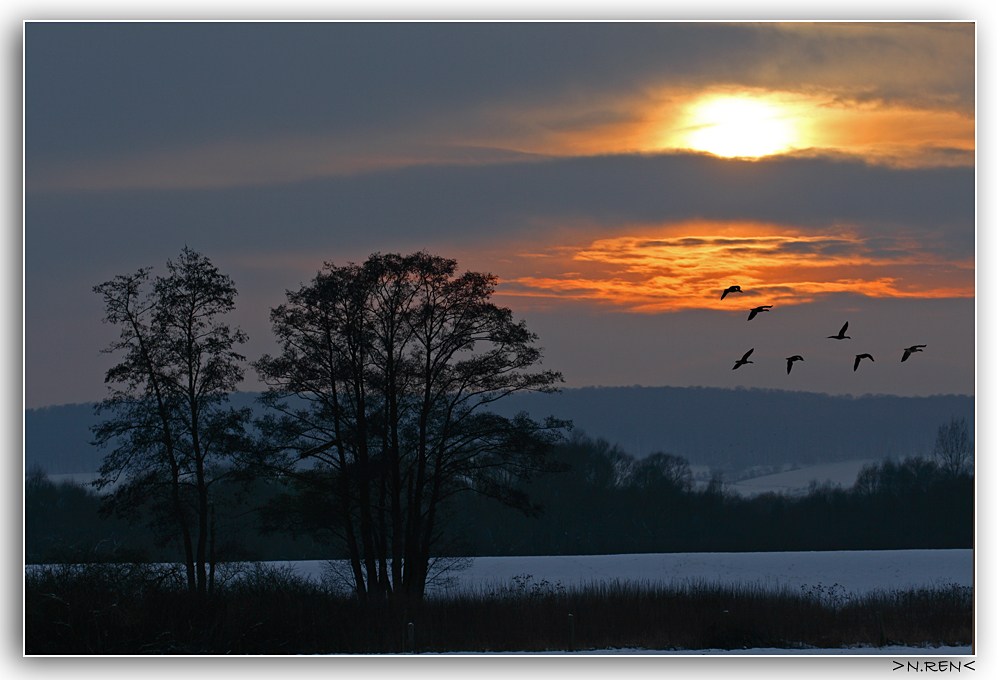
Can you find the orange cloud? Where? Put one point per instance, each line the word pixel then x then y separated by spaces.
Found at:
pixel 689 270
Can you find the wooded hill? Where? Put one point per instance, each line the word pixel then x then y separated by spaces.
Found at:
pixel 723 428
pixel 736 428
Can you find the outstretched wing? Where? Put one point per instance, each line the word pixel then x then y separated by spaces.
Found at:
pixel 752 314
pixel 907 353
pixel 857 360
pixel 747 354
pixel 789 366
pixel 843 329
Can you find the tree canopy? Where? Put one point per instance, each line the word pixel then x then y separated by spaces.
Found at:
pixel 392 365
pixel 169 429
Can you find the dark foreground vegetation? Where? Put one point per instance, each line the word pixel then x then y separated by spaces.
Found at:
pixel 145 609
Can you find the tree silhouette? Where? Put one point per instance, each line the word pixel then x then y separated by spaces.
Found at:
pixel 392 365
pixel 664 471
pixel 952 446
pixel 169 429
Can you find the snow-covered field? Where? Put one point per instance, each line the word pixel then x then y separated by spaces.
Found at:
pixel 853 571
pixel 796 482
pixel 891 651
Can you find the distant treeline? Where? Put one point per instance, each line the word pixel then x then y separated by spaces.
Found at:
pixel 63 524
pixel 609 503
pixel 602 501
pixel 726 428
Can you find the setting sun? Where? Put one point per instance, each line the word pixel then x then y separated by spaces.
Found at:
pixel 739 127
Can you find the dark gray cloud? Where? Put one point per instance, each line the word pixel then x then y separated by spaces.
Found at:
pixel 99 88
pixel 95 90
pixel 471 204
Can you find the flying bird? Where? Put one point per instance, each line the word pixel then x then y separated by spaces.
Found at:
pixel 790 360
pixel 763 308
pixel 732 289
pixel 743 360
pixel 860 357
pixel 910 350
pixel 841 334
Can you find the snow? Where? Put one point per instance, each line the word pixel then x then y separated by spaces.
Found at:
pixel 74 477
pixel 855 571
pixel 797 482
pixel 864 650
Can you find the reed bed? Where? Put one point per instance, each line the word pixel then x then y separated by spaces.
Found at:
pixel 115 609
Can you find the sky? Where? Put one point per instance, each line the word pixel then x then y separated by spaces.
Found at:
pixel 615 177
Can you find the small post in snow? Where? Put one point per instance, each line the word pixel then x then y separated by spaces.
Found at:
pixel 883 641
pixel 571 632
pixel 411 636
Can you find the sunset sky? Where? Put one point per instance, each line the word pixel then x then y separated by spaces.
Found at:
pixel 616 177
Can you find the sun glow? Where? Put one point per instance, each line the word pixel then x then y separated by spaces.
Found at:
pixel 735 126
pixel 757 123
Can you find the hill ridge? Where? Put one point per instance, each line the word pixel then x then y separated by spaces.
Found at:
pixel 722 427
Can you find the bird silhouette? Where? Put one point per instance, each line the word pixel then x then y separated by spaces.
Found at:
pixel 841 334
pixel 743 360
pixel 763 308
pixel 860 357
pixel 732 289
pixel 910 350
pixel 790 360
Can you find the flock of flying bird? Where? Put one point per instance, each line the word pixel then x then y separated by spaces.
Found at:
pixel 796 357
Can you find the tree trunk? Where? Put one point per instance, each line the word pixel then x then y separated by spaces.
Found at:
pixel 363 486
pixel 211 552
pixel 178 509
pixel 202 503
pixel 344 494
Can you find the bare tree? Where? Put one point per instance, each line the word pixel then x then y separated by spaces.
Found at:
pixel 169 429
pixel 662 471
pixel 953 449
pixel 393 364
